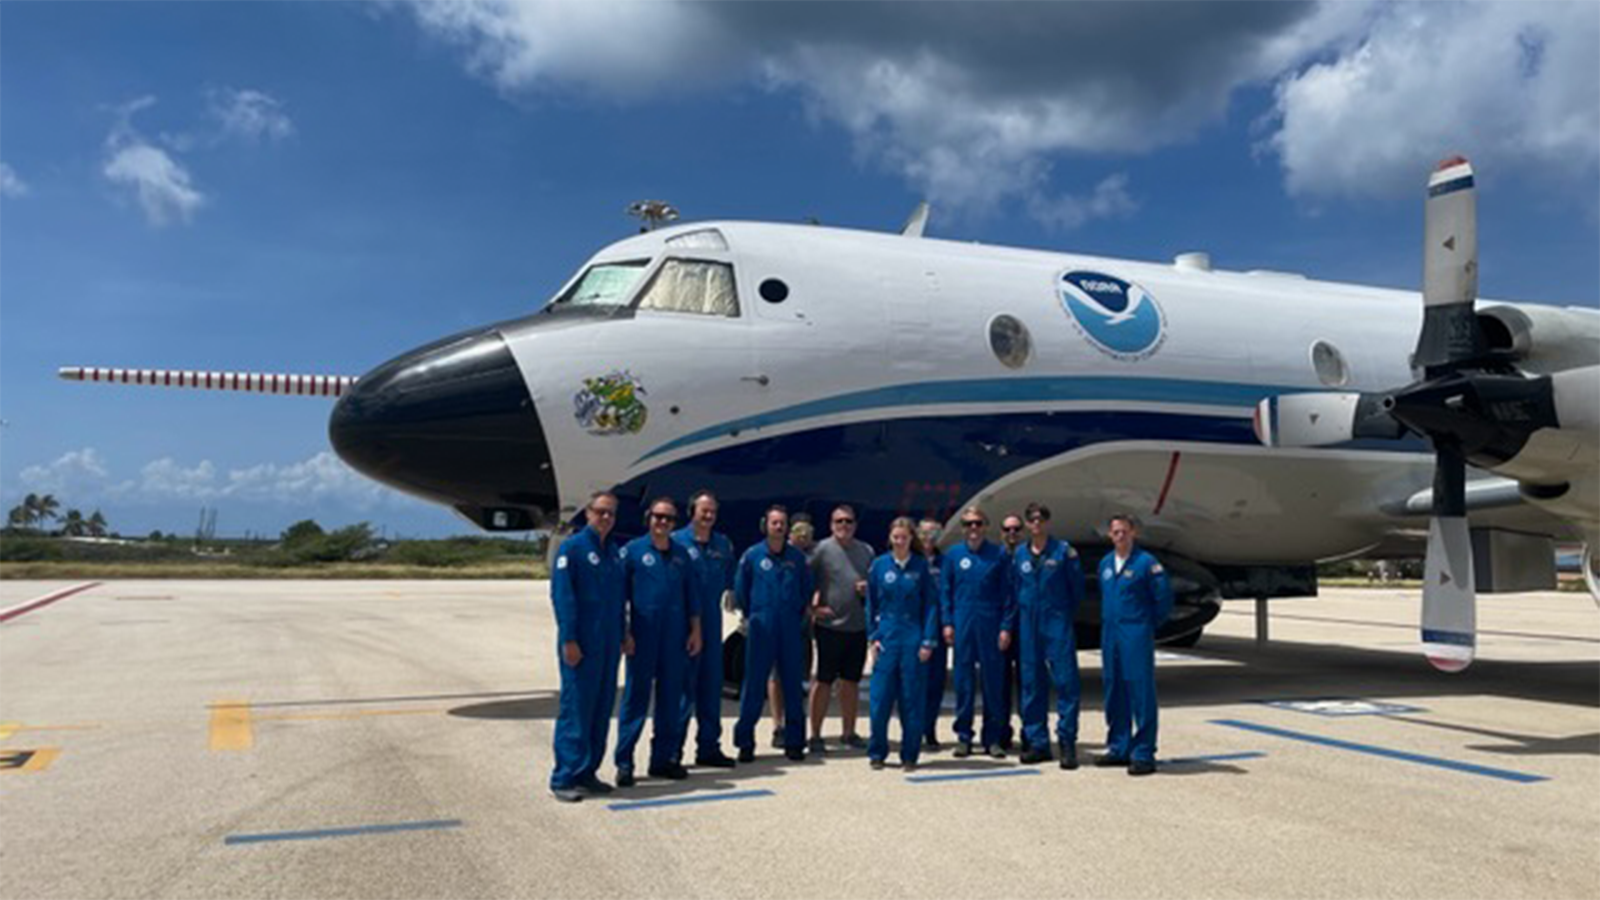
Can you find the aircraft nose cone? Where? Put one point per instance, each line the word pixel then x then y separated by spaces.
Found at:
pixel 452 422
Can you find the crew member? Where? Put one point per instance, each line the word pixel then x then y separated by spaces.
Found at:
pixel 1049 584
pixel 1010 540
pixel 711 562
pixel 972 599
pixel 586 586
pixel 939 664
pixel 902 611
pixel 772 588
pixel 839 621
pixel 1135 598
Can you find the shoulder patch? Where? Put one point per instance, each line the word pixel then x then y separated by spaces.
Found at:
pixel 561 561
pixel 694 553
pixel 1156 568
pixel 1072 552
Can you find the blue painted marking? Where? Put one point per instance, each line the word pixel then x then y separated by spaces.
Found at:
pixel 1215 757
pixel 1451 186
pixel 339 832
pixel 998 390
pixel 969 776
pixel 685 801
pixel 1457 638
pixel 1468 768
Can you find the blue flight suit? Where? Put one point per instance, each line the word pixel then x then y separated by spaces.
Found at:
pixel 712 563
pixel 660 606
pixel 587 588
pixel 1132 605
pixel 1048 589
pixel 972 597
pixel 903 618
pixel 938 667
pixel 773 590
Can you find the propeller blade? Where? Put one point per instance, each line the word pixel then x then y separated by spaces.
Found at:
pixel 1449 594
pixel 1322 418
pixel 1450 334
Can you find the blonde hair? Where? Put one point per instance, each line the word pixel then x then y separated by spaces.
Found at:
pixel 911 527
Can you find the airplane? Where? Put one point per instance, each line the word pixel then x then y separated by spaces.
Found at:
pixel 1257 422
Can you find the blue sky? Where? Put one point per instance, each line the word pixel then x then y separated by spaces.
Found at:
pixel 317 187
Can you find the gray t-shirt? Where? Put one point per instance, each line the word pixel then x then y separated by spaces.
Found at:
pixel 836 569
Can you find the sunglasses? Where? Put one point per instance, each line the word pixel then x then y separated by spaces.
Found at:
pixel 972 523
pixel 1033 519
pixel 602 511
pixel 844 521
pixel 664 517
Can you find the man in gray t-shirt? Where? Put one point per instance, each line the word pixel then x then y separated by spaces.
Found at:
pixel 839 567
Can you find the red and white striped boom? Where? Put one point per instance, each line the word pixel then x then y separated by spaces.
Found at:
pixel 250 382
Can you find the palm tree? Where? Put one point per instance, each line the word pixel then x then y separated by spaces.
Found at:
pixel 18 517
pixel 30 510
pixel 48 504
pixel 74 524
pixel 97 524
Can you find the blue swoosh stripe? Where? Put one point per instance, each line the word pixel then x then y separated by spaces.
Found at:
pixel 997 390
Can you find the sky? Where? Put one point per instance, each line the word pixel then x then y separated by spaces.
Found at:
pixel 319 187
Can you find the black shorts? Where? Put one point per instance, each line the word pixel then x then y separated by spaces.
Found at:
pixel 840 654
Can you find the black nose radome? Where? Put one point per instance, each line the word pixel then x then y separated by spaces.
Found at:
pixel 453 423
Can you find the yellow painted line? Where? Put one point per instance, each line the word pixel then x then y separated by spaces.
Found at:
pixel 7 729
pixel 41 759
pixel 230 726
pixel 302 717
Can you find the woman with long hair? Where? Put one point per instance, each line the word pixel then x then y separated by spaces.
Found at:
pixel 903 623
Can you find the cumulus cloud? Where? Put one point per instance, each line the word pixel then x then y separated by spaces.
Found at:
pixel 1108 200
pixel 1511 85
pixel 10 184
pixel 70 474
pixel 162 187
pixel 247 115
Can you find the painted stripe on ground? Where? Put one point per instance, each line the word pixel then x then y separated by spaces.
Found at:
pixel 1420 759
pixel 26 606
pixel 340 832
pixel 1215 757
pixel 230 726
pixel 684 801
pixel 970 776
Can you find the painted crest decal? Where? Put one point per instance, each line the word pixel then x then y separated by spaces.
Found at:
pixel 610 404
pixel 1118 317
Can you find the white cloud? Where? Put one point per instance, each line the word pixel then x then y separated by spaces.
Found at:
pixel 10 184
pixel 248 115
pixel 1508 84
pixel 69 474
pixel 322 477
pixel 1108 200
pixel 162 186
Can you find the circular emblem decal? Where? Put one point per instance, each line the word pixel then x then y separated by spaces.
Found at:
pixel 649 559
pixel 766 565
pixel 561 562
pixel 1027 567
pixel 889 578
pixel 966 564
pixel 594 558
pixel 1118 317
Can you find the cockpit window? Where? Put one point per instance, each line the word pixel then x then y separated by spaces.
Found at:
pixel 604 285
pixel 693 286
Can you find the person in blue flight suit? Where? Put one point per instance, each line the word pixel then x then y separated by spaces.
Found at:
pixel 903 623
pixel 586 587
pixel 772 589
pixel 664 631
pixel 1048 581
pixel 972 601
pixel 1135 598
pixel 939 664
pixel 1010 538
pixel 712 561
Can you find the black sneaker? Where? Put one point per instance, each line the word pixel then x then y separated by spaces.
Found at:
pixel 853 741
pixel 963 750
pixel 777 738
pixel 931 744
pixel 908 768
pixel 876 764
pixel 747 754
pixel 795 754
pixel 567 795
pixel 995 751
pixel 1069 755
pixel 592 785
pixel 718 760
pixel 1006 744
pixel 1142 767
pixel 1107 761
pixel 817 745
pixel 671 771
pixel 625 777
pixel 1035 755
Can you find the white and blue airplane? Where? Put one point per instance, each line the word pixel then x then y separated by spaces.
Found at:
pixel 1257 422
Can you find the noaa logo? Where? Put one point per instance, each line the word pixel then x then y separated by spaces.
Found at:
pixel 1027 567
pixel 649 559
pixel 1118 317
pixel 561 562
pixel 594 558
pixel 966 564
pixel 766 565
pixel 889 578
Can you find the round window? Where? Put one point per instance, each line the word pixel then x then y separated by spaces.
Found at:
pixel 1009 340
pixel 774 291
pixel 1329 364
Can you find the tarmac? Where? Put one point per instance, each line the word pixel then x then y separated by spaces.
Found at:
pixel 393 739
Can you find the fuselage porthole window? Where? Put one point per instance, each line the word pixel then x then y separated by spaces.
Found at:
pixel 696 286
pixel 1329 364
pixel 774 291
pixel 1010 341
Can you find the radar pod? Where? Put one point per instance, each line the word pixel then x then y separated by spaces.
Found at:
pixel 250 382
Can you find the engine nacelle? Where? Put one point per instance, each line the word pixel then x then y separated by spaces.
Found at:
pixel 1542 339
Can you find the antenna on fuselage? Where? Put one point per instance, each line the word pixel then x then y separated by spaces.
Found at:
pixel 918 221
pixel 652 212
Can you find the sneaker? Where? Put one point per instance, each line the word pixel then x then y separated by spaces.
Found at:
pixel 593 785
pixel 876 764
pixel 717 760
pixel 1035 755
pixel 908 768
pixel 853 741
pixel 625 777
pixel 931 744
pixel 1005 743
pixel 1108 761
pixel 567 795
pixel 1142 767
pixel 995 751
pixel 795 754
pixel 1069 755
pixel 747 754
pixel 817 745
pixel 670 771
pixel 963 750
pixel 777 738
